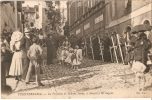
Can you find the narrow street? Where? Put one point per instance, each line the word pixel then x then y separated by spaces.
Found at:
pixel 92 77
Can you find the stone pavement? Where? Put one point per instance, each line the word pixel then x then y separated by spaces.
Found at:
pixel 92 77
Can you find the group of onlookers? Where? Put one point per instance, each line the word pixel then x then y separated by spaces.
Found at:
pixel 19 53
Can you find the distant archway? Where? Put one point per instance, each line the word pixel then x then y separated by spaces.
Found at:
pixel 146 21
pixel 126 32
pixel 148 33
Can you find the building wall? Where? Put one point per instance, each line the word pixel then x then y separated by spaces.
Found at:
pixel 89 20
pixel 10 20
pixel 117 16
pixel 137 16
pixel 7 16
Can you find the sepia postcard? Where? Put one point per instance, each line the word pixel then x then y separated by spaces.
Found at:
pixel 76 49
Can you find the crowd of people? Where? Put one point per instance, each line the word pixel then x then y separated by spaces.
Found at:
pixel 21 51
pixel 21 55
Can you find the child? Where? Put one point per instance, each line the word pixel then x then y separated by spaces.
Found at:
pixel 34 54
pixel 76 58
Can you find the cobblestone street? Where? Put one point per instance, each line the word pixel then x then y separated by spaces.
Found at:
pixel 92 77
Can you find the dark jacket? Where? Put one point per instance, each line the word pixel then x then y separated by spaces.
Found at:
pixel 5 57
pixel 28 43
pixel 141 50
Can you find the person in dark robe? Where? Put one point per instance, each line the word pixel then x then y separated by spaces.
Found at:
pixel 27 44
pixel 96 48
pixel 4 63
pixel 50 49
pixel 106 44
pixel 141 49
pixel 73 41
pixel 79 42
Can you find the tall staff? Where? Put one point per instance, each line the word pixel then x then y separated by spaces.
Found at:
pixel 111 53
pixel 86 46
pixel 120 48
pixel 91 47
pixel 114 47
pixel 127 44
pixel 101 49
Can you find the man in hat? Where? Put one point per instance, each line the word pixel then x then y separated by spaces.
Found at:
pixel 27 44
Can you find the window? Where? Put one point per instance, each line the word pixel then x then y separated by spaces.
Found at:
pixel 127 4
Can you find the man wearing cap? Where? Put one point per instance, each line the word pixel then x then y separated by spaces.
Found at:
pixel 27 44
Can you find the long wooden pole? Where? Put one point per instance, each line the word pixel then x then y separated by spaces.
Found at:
pixel 91 48
pixel 101 49
pixel 111 53
pixel 86 47
pixel 114 50
pixel 120 49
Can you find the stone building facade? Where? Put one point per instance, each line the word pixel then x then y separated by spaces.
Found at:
pixel 11 16
pixel 107 16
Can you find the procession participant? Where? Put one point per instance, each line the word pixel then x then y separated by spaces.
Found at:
pixel 114 47
pixel 27 44
pixel 83 47
pixel 123 40
pixel 34 54
pixel 50 49
pixel 140 57
pixel 96 48
pixel 106 44
pixel 73 40
pixel 79 42
pixel 68 56
pixel 17 46
pixel 76 57
pixel 66 43
pixel 141 49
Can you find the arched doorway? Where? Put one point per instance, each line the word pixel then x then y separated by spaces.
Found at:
pixel 147 22
pixel 126 33
pixel 149 32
